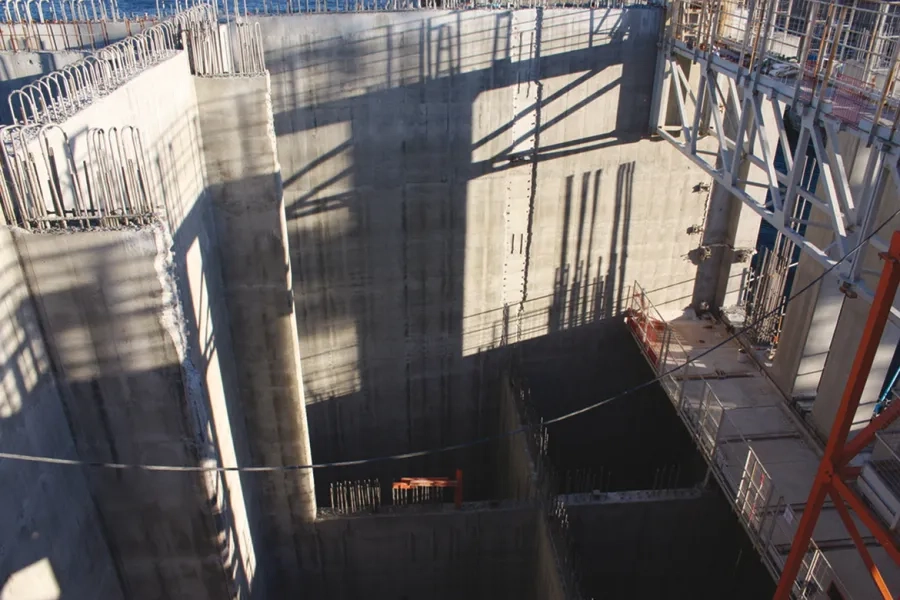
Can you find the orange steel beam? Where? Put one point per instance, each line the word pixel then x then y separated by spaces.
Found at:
pixel 865 355
pixel 407 483
pixel 835 456
pixel 800 545
pixel 871 522
pixel 861 546
pixel 848 473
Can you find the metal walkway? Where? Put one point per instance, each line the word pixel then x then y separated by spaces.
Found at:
pixel 758 451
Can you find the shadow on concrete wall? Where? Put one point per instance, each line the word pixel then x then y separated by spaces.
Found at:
pixel 378 245
pixel 390 269
pixel 208 335
pixel 583 293
pixel 634 443
pixel 128 396
pixel 34 558
pixel 684 549
pixel 123 392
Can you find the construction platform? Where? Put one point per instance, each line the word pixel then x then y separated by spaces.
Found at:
pixel 760 452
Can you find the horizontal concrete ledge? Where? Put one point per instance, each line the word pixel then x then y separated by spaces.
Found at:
pixel 631 496
pixel 427 509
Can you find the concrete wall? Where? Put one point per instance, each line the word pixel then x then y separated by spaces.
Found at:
pixel 457 181
pixel 624 444
pixel 52 538
pixel 245 191
pixel 210 369
pixel 547 582
pixel 691 548
pixel 101 303
pixel 516 470
pixel 131 320
pixel 452 183
pixel 452 554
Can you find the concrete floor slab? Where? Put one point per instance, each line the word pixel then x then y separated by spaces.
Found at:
pixel 829 531
pixel 741 392
pixel 854 575
pixel 731 409
pixel 754 422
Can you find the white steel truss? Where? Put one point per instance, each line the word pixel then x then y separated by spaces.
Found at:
pixel 729 120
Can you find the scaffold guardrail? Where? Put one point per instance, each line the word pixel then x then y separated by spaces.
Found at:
pixel 732 460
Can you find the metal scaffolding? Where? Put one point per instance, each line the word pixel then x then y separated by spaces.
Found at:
pixel 729 77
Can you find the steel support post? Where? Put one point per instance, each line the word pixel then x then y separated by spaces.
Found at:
pixel 828 477
pixel 860 545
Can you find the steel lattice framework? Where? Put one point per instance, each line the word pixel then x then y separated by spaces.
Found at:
pixel 716 66
pixel 729 119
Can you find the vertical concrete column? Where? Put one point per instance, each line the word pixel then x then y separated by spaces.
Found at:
pixel 847 336
pixel 854 312
pixel 809 324
pixel 807 332
pixel 246 191
pixel 731 226
pixel 731 231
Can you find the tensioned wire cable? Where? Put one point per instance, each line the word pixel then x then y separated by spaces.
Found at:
pixel 450 448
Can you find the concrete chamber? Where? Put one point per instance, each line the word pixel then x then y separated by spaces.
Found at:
pixel 412 230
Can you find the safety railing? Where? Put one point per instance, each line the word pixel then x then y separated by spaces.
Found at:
pixel 841 56
pixel 732 459
pixel 46 187
pixel 816 578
